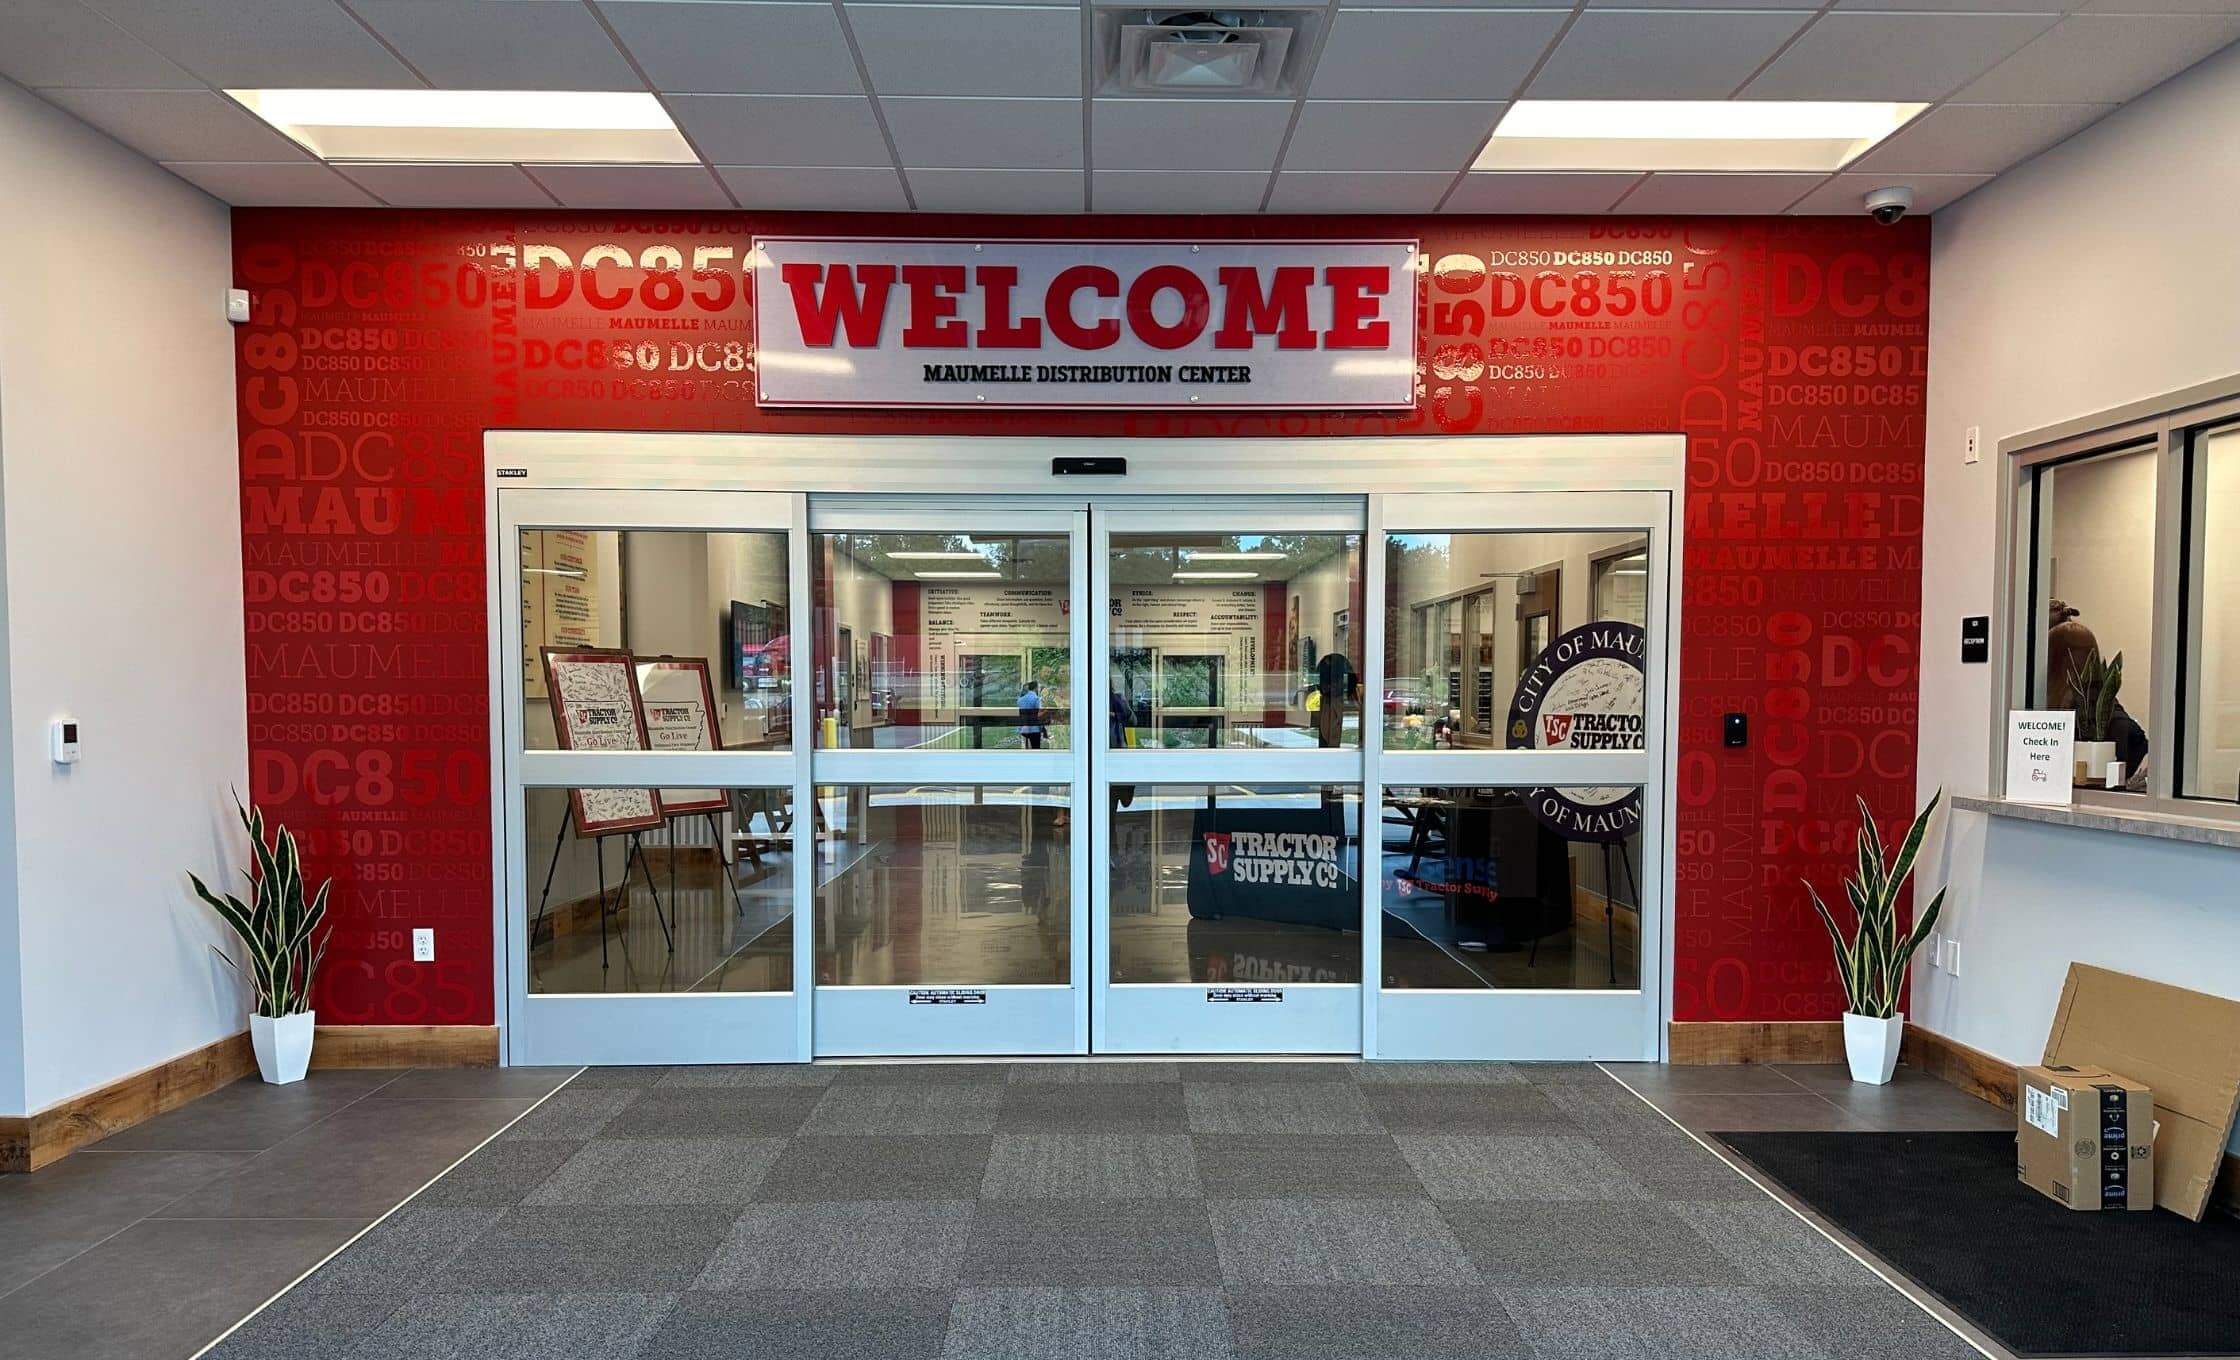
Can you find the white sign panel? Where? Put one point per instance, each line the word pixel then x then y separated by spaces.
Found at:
pixel 2041 756
pixel 1299 325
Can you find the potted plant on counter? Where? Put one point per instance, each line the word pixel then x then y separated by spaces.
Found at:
pixel 281 946
pixel 1872 958
pixel 2093 687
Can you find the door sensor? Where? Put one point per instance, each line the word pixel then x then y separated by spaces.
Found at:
pixel 1089 467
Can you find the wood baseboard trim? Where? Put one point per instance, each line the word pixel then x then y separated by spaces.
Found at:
pixel 1971 1069
pixel 29 1142
pixel 1713 1043
pixel 404 1046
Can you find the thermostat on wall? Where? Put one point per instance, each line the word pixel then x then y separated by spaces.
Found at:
pixel 65 741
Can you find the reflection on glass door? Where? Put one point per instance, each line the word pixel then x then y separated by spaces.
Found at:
pixel 1228 884
pixel 946 781
pixel 648 776
pixel 1521 814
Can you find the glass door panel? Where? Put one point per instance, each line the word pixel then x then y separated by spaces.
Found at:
pixel 947 779
pixel 1228 891
pixel 1523 775
pixel 647 710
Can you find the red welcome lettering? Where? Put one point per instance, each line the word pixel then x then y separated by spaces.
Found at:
pixel 934 290
pixel 1354 289
pixel 1281 311
pixel 1146 289
pixel 997 329
pixel 1059 305
pixel 840 304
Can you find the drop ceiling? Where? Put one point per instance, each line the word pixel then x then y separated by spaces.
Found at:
pixel 899 105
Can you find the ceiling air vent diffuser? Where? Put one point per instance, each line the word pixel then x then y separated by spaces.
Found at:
pixel 1202 52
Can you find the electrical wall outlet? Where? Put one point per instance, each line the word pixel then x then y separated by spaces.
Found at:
pixel 1973 452
pixel 423 945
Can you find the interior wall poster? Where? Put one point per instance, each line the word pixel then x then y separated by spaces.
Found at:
pixel 596 707
pixel 680 708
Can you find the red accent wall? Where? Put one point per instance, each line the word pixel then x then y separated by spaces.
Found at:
pixel 1790 352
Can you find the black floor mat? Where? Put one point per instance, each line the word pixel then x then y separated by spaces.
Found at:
pixel 1946 1210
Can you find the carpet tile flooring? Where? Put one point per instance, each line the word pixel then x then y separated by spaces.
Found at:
pixel 1070 1211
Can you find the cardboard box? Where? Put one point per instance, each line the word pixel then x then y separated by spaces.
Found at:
pixel 2086 1137
pixel 2184 1046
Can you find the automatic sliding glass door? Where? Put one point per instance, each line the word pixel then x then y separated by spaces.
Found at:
pixel 654 855
pixel 1228 807
pixel 948 777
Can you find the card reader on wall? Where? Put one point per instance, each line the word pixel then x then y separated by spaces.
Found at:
pixel 63 737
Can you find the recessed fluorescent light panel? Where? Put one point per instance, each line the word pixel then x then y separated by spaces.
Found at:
pixel 474 126
pixel 1707 135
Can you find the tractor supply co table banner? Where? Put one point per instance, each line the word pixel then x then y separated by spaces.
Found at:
pixel 1314 325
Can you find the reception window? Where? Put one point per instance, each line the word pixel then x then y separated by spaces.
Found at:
pixel 2124 543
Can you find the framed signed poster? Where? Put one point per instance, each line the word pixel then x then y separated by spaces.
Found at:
pixel 679 701
pixel 595 707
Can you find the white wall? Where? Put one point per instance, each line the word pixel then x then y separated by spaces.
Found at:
pixel 2100 273
pixel 120 494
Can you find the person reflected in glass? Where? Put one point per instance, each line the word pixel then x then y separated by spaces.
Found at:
pixel 1337 684
pixel 1030 715
pixel 1123 717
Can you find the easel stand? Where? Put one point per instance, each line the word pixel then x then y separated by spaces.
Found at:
pixel 635 856
pixel 1610 902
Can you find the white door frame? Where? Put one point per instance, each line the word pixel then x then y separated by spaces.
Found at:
pixel 932 1018
pixel 1382 468
pixel 631 1027
pixel 1198 1016
pixel 1626 1024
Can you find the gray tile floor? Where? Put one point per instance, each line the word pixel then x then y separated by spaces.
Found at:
pixel 958 1210
pixel 154 1241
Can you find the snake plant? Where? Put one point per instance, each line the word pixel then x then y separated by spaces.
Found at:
pixel 2093 687
pixel 278 928
pixel 1872 960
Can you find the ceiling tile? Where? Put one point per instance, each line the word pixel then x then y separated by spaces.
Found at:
pixel 179 125
pixel 977 50
pixel 502 44
pixel 1179 191
pixel 1486 191
pixel 1708 4
pixel 1191 134
pixel 1450 4
pixel 631 186
pixel 1724 194
pixel 237 44
pixel 1422 135
pixel 997 191
pixel 259 184
pixel 1668 54
pixel 1967 6
pixel 1432 54
pixel 985 134
pixel 61 42
pixel 700 48
pixel 1840 196
pixel 2104 58
pixel 1958 138
pixel 1357 191
pixel 1895 56
pixel 780 129
pixel 820 188
pixel 2159 7
pixel 450 186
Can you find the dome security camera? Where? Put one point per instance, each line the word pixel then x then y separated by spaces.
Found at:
pixel 1888 205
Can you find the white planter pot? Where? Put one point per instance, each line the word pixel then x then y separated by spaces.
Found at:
pixel 283 1045
pixel 1871 1044
pixel 2093 758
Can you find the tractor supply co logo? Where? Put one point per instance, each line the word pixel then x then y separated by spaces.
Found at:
pixel 1584 693
pixel 1142 324
pixel 1291 859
